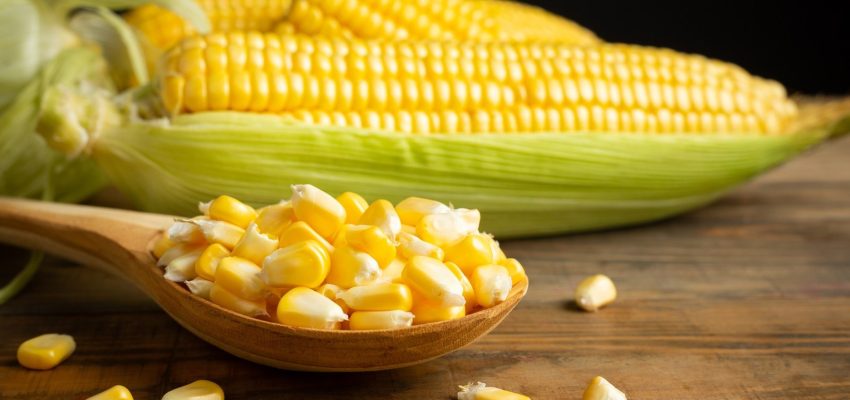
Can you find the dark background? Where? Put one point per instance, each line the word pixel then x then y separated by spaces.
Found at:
pixel 804 45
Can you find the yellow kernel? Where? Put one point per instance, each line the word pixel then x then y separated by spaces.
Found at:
pixel 299 232
pixel 240 277
pixel 304 263
pixel 515 269
pixel 373 320
pixel 318 209
pixel 595 292
pixel 382 214
pixel 46 351
pixel 272 220
pixel 228 209
pixel 480 391
pixel 354 206
pixel 492 284
pixel 254 245
pixel 409 245
pixel 468 291
pixel 426 311
pixel 196 390
pixel 207 263
pixel 601 389
pixel 232 302
pixel 472 251
pixel 369 239
pixel 378 297
pixel 412 209
pixel 116 392
pixel 434 281
pixel 350 267
pixel 306 308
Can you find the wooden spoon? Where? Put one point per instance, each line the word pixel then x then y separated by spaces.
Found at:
pixel 119 242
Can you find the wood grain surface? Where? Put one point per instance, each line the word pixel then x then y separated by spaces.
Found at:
pixel 748 298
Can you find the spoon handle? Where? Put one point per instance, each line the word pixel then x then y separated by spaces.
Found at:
pixel 111 239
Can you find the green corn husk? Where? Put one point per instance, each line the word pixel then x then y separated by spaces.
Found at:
pixel 524 185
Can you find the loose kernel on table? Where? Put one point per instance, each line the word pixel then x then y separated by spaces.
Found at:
pixel 46 351
pixel 595 292
pixel 116 392
pixel 601 389
pixel 480 391
pixel 197 390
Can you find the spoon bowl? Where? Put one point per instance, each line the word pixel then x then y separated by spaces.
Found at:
pixel 119 242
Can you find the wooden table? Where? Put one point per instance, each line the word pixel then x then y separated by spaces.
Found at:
pixel 748 298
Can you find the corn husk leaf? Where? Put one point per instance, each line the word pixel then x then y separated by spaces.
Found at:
pixel 24 156
pixel 524 185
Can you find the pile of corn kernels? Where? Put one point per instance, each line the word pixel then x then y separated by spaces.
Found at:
pixel 321 262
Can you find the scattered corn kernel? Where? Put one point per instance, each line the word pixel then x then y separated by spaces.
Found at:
pixel 200 287
pixel 318 209
pixel 412 209
pixel 306 308
pixel 116 392
pixel 254 245
pixel 481 391
pixel 392 273
pixel 601 389
pixel 227 209
pixel 220 232
pixel 240 277
pixel 273 219
pixel 378 297
pixel 473 250
pixel 369 239
pixel 232 302
pixel 182 268
pixel 492 284
pixel 382 214
pixel 434 281
pixel 425 311
pixel 350 268
pixel 299 232
pixel 371 320
pixel 304 263
pixel 197 390
pixel 595 292
pixel 468 291
pixel 46 351
pixel 207 263
pixel 409 245
pixel 354 206
pixel 515 269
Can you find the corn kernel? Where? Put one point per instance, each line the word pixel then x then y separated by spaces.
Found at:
pixel 434 281
pixel 220 232
pixel 412 209
pixel 378 297
pixel 332 292
pixel 116 392
pixel 299 232
pixel 306 308
pixel 232 302
pixel 354 206
pixel 471 251
pixel 515 269
pixel 200 287
pixel 601 389
pixel 409 229
pixel 468 291
pixel 185 231
pixel 480 391
pixel 369 239
pixel 392 273
pixel 272 220
pixel 228 209
pixel 425 311
pixel 197 390
pixel 46 351
pixel 304 263
pixel 240 277
pixel 182 268
pixel 162 245
pixel 372 320
pixel 449 228
pixel 382 214
pixel 318 209
pixel 409 245
pixel 177 251
pixel 254 246
pixel 208 261
pixel 595 292
pixel 350 267
pixel 492 285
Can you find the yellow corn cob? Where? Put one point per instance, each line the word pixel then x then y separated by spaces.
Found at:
pixel 162 28
pixel 116 392
pixel 480 20
pixel 201 389
pixel 45 351
pixel 448 87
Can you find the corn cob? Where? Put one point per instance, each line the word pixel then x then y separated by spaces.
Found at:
pixel 162 28
pixel 480 20
pixel 444 87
